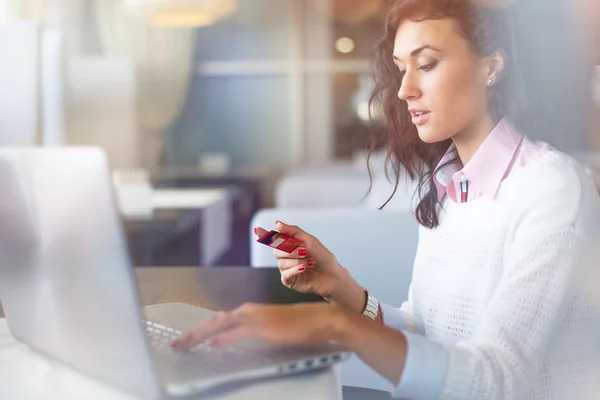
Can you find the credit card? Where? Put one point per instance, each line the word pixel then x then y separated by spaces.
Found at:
pixel 280 241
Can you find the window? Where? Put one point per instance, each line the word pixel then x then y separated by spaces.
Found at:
pixel 281 82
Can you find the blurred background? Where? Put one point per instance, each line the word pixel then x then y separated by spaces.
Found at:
pixel 257 82
pixel 201 95
pixel 213 110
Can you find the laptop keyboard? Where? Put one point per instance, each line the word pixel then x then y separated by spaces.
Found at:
pixel 161 336
pixel 205 360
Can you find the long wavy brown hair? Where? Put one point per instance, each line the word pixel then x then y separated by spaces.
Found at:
pixel 488 30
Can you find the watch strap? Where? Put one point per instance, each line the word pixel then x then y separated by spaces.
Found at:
pixel 372 307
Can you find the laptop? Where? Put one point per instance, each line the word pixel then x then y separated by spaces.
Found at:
pixel 69 291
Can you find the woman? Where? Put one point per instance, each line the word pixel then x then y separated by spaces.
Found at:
pixel 499 307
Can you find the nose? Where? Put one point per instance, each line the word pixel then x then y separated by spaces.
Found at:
pixel 409 89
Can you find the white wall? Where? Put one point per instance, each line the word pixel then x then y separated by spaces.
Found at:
pixel 52 115
pixel 3 11
pixel 101 107
pixel 19 83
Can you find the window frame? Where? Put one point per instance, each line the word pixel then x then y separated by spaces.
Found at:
pixel 311 129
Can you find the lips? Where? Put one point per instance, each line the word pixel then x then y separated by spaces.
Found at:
pixel 419 116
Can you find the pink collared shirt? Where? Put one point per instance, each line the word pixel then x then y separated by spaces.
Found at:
pixel 502 151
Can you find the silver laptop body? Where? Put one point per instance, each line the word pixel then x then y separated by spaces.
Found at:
pixel 68 289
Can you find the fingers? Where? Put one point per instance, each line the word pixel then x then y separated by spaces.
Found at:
pixel 290 263
pixel 288 276
pixel 300 252
pixel 236 334
pixel 291 230
pixel 214 325
pixel 260 232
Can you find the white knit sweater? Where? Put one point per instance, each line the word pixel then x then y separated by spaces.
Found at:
pixel 500 285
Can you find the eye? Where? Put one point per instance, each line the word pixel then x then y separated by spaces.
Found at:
pixel 402 73
pixel 429 66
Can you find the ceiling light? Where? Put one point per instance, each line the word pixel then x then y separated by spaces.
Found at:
pixel 345 45
pixel 182 13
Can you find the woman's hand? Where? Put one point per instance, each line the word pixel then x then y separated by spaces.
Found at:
pixel 312 268
pixel 383 348
pixel 289 324
pixel 309 269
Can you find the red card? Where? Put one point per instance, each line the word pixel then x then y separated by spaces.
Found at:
pixel 280 241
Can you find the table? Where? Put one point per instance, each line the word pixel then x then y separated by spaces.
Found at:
pixel 187 198
pixel 258 184
pixel 252 190
pixel 187 227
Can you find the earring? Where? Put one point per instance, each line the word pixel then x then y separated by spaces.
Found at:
pixel 489 82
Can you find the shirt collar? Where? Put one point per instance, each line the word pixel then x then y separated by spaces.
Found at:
pixel 442 175
pixel 489 164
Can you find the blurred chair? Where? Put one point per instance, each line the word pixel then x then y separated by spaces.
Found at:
pixel 377 247
pixel 333 186
pixel 344 184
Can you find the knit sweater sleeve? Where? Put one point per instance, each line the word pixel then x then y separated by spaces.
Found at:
pixel 503 357
pixel 403 318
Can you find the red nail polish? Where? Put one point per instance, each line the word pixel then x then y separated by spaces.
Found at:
pixel 311 263
pixel 302 252
pixel 180 344
pixel 301 268
pixel 255 231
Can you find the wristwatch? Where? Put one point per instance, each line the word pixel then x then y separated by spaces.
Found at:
pixel 372 308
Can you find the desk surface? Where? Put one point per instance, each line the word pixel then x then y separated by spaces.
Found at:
pixel 158 285
pixel 190 285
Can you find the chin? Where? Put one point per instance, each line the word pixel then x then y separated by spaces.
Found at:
pixel 431 135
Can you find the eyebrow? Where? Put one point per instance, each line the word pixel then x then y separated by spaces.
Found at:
pixel 418 50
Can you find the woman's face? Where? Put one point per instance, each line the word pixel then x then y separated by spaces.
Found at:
pixel 443 81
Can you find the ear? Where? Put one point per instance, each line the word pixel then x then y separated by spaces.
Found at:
pixel 495 66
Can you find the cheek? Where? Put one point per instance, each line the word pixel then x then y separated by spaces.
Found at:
pixel 456 99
